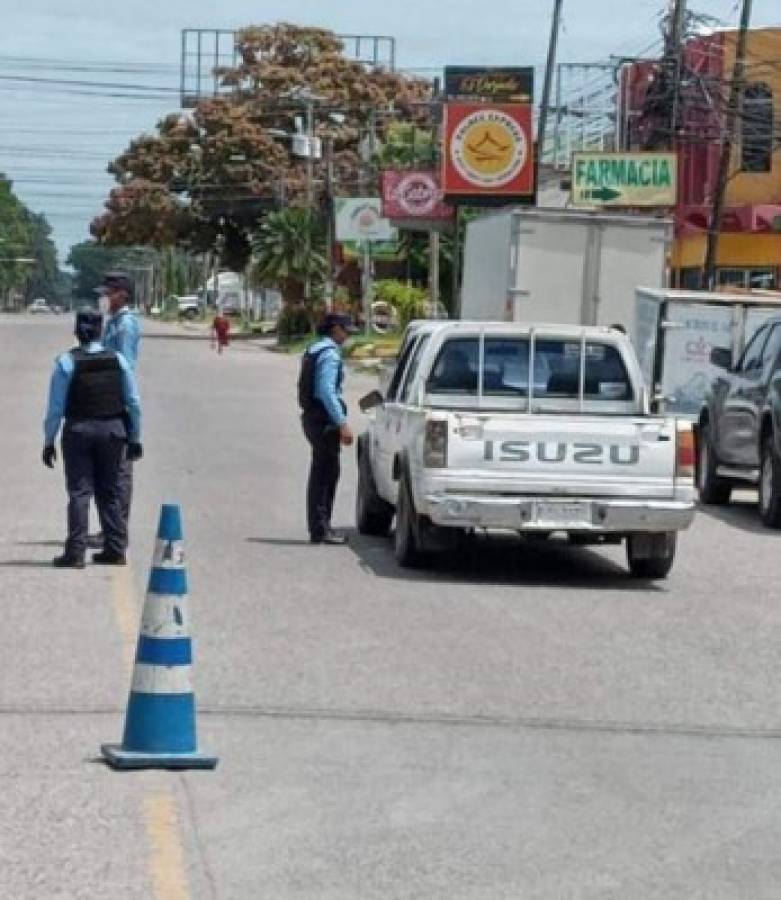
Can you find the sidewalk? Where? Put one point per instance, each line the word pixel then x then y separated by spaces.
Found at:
pixel 201 331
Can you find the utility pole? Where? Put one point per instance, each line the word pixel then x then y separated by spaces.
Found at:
pixel 546 87
pixel 310 132
pixel 676 37
pixel 433 270
pixel 733 104
pixel 330 226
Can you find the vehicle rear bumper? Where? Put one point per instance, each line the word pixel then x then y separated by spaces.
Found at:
pixel 598 516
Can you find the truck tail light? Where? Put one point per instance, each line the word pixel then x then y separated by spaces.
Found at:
pixel 684 450
pixel 435 449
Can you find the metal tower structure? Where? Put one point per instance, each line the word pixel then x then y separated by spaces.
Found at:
pixel 204 50
pixel 583 113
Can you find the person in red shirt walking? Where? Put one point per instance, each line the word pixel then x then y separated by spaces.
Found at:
pixel 221 327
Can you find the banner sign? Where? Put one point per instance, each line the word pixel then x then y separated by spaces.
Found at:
pixel 413 195
pixel 488 150
pixel 360 219
pixel 624 179
pixel 510 84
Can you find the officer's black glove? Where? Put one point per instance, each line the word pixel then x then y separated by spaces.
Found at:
pixel 134 451
pixel 48 456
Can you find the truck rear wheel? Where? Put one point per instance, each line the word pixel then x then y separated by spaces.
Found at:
pixel 651 554
pixel 406 547
pixel 770 485
pixel 714 491
pixel 373 515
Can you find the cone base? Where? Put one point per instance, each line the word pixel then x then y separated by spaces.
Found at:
pixel 118 758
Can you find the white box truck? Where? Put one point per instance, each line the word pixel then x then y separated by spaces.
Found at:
pixel 675 330
pixel 563 266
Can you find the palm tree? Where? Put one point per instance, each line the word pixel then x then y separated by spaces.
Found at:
pixel 288 249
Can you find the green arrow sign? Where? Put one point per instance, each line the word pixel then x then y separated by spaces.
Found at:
pixel 624 179
pixel 604 194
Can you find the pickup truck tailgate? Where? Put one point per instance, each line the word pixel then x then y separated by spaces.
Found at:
pixel 604 456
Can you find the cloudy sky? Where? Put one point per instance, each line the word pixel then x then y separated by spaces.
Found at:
pixel 59 128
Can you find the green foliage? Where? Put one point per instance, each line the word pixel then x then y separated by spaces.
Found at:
pixel 408 146
pixel 294 322
pixel 91 261
pixel 172 271
pixel 26 235
pixel 289 248
pixel 409 301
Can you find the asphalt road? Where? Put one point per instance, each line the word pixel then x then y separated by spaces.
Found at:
pixel 528 723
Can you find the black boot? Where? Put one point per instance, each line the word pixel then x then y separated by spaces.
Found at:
pixel 109 558
pixel 68 561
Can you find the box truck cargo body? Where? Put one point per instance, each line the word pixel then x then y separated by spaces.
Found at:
pixel 675 330
pixel 553 265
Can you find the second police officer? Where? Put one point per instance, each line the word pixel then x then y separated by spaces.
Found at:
pixel 123 335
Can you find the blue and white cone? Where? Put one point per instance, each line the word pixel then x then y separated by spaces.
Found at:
pixel 160 720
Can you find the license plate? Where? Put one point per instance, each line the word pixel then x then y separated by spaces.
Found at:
pixel 562 513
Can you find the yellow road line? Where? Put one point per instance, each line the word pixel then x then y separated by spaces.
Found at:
pixel 166 864
pixel 166 852
pixel 126 612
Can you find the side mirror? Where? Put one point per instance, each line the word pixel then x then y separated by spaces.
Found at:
pixel 721 357
pixel 372 399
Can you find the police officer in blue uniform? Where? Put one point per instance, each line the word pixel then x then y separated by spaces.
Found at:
pixel 94 390
pixel 324 420
pixel 123 335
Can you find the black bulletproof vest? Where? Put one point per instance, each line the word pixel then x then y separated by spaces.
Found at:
pixel 96 390
pixel 306 379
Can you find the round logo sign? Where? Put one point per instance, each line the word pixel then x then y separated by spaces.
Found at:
pixel 417 194
pixel 489 148
pixel 365 220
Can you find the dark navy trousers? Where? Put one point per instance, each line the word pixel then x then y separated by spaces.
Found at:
pixel 93 452
pixel 323 472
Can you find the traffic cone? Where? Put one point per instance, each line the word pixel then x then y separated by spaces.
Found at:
pixel 160 720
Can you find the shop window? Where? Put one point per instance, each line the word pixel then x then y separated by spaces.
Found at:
pixel 732 278
pixel 762 279
pixel 757 128
pixel 754 279
pixel 690 279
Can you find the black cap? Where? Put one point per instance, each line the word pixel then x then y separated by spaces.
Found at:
pixel 89 325
pixel 332 319
pixel 119 280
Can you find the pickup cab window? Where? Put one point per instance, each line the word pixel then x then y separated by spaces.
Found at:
pixel 751 361
pixel 772 349
pixel 506 365
pixel 398 372
pixel 411 368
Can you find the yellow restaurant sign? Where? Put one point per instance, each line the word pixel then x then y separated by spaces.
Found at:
pixel 624 179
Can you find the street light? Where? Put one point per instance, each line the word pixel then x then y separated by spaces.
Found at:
pixel 308 99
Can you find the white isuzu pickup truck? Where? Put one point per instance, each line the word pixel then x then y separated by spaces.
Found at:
pixel 532 428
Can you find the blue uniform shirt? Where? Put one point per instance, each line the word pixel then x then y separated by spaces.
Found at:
pixel 328 379
pixel 59 385
pixel 123 334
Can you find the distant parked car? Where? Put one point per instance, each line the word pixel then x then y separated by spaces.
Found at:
pixel 39 306
pixel 188 306
pixel 739 427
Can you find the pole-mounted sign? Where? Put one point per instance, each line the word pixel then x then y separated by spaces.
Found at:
pixel 487 151
pixel 624 179
pixel 512 84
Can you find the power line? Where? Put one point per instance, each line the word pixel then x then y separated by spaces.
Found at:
pixel 77 82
